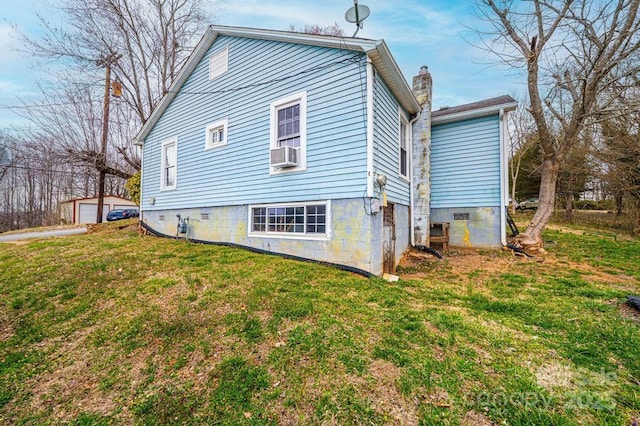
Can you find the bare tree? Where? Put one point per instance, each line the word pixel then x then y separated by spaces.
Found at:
pixel 32 183
pixel 578 169
pixel 577 55
pixel 621 153
pixel 521 137
pixel 334 30
pixel 5 156
pixel 154 38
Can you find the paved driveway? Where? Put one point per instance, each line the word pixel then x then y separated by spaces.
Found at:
pixel 42 234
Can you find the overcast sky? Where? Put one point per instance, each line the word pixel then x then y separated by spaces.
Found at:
pixel 418 32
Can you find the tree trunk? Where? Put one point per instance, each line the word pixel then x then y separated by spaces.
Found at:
pixel 568 211
pixel 618 204
pixel 636 226
pixel 531 238
pixel 513 200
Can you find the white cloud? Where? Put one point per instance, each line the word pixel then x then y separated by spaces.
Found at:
pixel 7 50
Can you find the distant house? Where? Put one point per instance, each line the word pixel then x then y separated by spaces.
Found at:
pixel 85 210
pixel 316 146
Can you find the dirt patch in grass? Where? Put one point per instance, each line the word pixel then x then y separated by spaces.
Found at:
pixel 386 396
pixel 565 229
pixel 111 227
pixel 629 312
pixel 473 418
pixel 70 387
pixel 69 390
pixel 6 329
pixel 459 261
pixel 591 273
pixel 486 263
pixel 555 377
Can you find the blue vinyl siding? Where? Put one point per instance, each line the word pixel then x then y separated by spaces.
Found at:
pixel 386 151
pixel 238 173
pixel 465 163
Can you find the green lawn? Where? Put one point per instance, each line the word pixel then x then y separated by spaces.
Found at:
pixel 112 328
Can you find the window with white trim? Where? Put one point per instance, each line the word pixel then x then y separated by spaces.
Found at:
pixel 218 63
pixel 404 147
pixel 289 128
pixel 297 219
pixel 216 134
pixel 169 166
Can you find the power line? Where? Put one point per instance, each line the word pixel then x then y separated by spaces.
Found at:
pixel 36 169
pixel 27 106
pixel 351 59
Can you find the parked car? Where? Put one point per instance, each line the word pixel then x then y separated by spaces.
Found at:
pixel 119 214
pixel 529 204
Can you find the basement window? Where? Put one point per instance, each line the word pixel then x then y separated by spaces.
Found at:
pixel 299 219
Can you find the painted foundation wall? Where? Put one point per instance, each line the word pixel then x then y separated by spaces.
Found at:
pixel 403 227
pixel 481 230
pixel 354 238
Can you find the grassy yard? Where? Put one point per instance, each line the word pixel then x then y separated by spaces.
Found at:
pixel 115 327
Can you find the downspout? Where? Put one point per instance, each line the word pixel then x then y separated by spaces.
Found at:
pixel 413 231
pixel 503 175
pixel 370 83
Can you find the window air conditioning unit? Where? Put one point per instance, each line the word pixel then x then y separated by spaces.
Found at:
pixel 285 156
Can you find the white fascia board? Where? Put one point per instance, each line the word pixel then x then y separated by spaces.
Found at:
pixel 474 113
pixel 390 72
pixel 349 43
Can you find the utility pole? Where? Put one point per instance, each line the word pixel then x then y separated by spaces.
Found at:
pixel 107 61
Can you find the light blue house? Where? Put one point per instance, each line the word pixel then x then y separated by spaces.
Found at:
pixel 311 146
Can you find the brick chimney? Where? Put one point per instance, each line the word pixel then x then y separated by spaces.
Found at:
pixel 421 158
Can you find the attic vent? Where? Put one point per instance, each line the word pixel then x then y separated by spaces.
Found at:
pixel 204 216
pixel 219 63
pixel 461 216
pixel 161 217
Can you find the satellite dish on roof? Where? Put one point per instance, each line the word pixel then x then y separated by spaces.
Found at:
pixel 356 15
